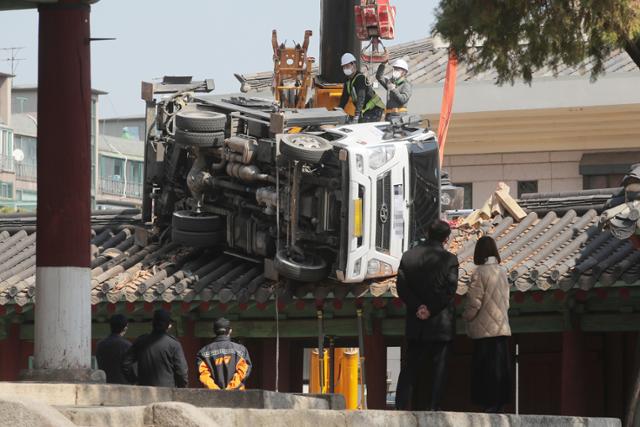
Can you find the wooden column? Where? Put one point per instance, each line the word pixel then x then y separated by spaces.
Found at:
pixel 268 367
pixel 190 346
pixel 574 392
pixel 295 367
pixel 63 276
pixel 614 374
pixel 10 363
pixel 375 352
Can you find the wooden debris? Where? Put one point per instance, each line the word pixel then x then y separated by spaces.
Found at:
pixel 499 202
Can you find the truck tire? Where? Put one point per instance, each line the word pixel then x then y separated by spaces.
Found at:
pixel 313 269
pixel 194 221
pixel 198 239
pixel 303 147
pixel 201 121
pixel 198 139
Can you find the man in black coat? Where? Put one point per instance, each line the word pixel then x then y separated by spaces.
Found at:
pixel 159 357
pixel 111 350
pixel 427 281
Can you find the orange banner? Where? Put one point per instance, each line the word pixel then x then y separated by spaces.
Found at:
pixel 447 102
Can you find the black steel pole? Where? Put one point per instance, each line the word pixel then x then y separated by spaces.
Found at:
pixel 337 36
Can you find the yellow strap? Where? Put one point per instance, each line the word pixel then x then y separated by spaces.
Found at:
pixel 396 110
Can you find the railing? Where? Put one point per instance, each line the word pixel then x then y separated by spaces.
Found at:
pixel 6 163
pixel 26 171
pixel 132 190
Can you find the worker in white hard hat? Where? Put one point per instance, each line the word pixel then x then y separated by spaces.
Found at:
pixel 368 105
pixel 398 88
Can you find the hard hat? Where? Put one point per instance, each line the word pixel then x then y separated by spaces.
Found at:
pixel 347 58
pixel 401 63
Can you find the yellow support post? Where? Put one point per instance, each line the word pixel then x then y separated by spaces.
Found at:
pixel 347 378
pixel 315 385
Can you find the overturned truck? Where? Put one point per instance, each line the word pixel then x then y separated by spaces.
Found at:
pixel 301 191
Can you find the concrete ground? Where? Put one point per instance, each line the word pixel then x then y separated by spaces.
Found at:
pixel 65 405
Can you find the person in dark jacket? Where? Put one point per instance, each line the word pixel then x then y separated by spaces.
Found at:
pixel 368 105
pixel 223 365
pixel 426 283
pixel 398 88
pixel 159 357
pixel 111 350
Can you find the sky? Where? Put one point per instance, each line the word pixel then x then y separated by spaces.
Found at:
pixel 201 38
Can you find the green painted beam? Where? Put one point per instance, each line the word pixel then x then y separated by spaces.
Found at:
pixel 98 330
pixel 610 322
pixel 288 328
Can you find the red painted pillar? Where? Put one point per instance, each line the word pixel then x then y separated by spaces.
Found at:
pixel 296 367
pixel 375 352
pixel 268 361
pixel 574 391
pixel 190 346
pixel 10 363
pixel 63 310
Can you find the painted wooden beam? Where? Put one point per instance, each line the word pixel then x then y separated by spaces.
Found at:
pixel 610 322
pixel 288 328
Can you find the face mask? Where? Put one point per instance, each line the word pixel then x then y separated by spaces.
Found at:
pixel 347 71
pixel 396 74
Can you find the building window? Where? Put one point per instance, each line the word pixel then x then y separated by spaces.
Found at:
pixel 592 182
pixel 26 196
pixel 6 149
pixel 468 195
pixel 525 187
pixel 606 169
pixel 6 190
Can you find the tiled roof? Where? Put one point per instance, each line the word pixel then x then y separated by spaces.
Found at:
pixel 553 252
pixel 541 253
pixel 428 60
pixel 121 147
pixel 25 124
pixel 580 201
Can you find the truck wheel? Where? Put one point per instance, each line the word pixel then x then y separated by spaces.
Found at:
pixel 306 148
pixel 198 139
pixel 194 221
pixel 198 239
pixel 312 269
pixel 201 121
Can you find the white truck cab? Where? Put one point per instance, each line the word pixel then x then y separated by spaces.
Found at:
pixel 380 196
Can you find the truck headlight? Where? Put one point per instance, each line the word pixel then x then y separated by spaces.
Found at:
pixel 356 267
pixel 377 268
pixel 360 163
pixel 379 156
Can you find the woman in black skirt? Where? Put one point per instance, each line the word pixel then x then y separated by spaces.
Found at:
pixel 486 314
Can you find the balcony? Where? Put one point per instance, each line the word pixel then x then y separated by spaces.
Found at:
pixel 6 163
pixel 26 171
pixel 113 187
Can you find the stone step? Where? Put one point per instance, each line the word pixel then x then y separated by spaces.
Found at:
pixel 184 415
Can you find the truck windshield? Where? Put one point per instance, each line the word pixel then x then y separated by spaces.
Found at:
pixel 424 187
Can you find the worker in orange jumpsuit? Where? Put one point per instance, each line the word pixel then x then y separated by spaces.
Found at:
pixel 223 365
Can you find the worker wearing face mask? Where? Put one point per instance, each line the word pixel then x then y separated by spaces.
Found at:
pixel 398 88
pixel 368 105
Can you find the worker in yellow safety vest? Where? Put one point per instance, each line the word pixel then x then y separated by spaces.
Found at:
pixel 398 88
pixel 368 105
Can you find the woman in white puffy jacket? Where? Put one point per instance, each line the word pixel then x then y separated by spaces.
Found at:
pixel 486 314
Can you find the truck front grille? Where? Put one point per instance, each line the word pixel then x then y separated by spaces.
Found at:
pixel 383 213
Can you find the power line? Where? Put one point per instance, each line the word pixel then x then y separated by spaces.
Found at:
pixel 13 57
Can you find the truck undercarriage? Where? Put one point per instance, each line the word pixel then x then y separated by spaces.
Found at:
pixel 299 190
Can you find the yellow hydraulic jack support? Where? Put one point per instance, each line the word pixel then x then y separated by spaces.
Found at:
pixel 317 384
pixel 346 374
pixel 363 397
pixel 346 363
